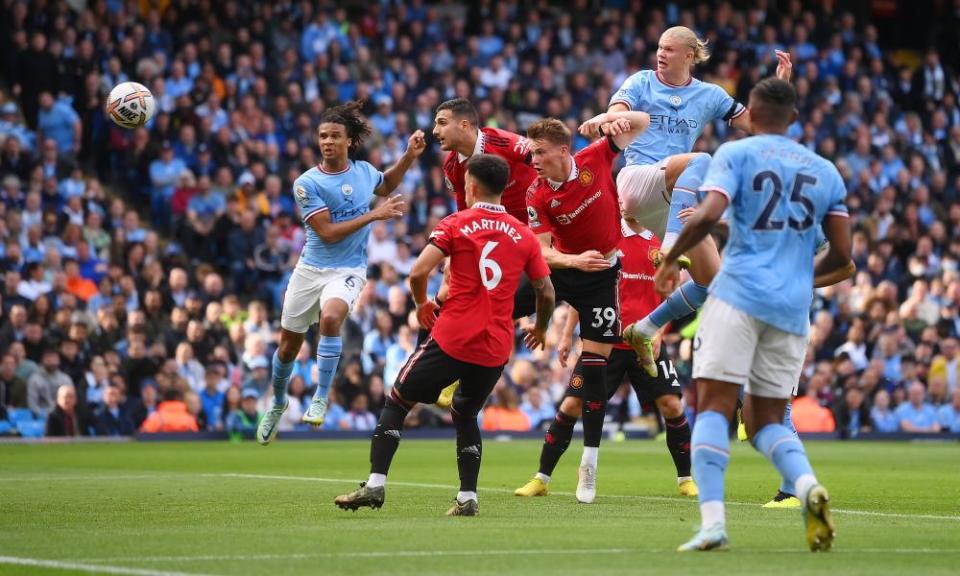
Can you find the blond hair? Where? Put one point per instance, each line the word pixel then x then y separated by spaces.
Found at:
pixel 701 53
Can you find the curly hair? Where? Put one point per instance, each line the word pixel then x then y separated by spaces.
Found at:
pixel 349 116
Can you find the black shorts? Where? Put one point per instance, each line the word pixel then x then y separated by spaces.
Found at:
pixel 593 295
pixel 429 370
pixel 624 363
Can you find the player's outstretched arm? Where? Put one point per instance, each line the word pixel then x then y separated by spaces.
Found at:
pixel 546 301
pixel 622 126
pixel 784 72
pixel 834 265
pixel 694 230
pixel 332 232
pixel 416 144
pixel 429 259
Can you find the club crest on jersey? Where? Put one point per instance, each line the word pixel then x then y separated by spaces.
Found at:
pixel 675 100
pixel 654 255
pixel 300 192
pixel 576 382
pixel 346 189
pixel 586 177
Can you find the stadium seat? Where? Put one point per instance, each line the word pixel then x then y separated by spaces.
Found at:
pixel 33 429
pixel 5 427
pixel 18 415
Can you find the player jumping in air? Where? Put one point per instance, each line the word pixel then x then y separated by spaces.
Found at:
pixel 456 127
pixel 662 175
pixel 754 326
pixel 334 201
pixel 574 211
pixel 471 341
pixel 637 298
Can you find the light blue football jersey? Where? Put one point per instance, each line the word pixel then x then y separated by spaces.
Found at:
pixel 779 194
pixel 346 195
pixel 678 114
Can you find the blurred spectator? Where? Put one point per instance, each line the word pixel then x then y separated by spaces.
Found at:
pixel 246 418
pixel 13 389
pixel 853 415
pixel 538 408
pixel 948 415
pixel 359 417
pixel 113 418
pixel 212 398
pixel 881 416
pixel 505 414
pixel 809 416
pixel 59 122
pixel 917 415
pixel 171 415
pixel 64 420
pixel 43 385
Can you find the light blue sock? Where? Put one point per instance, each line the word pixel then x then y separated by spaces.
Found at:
pixel 783 448
pixel 787 487
pixel 710 452
pixel 281 375
pixel 685 300
pixel 328 356
pixel 685 195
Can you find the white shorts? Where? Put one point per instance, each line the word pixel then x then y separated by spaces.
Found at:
pixel 732 346
pixel 311 287
pixel 643 195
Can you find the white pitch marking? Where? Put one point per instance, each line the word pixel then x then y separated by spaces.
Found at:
pixel 84 567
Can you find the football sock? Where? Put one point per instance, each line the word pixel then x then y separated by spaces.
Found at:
pixel 710 455
pixel 386 438
pixel 463 496
pixel 684 196
pixel 784 449
pixel 685 300
pixel 281 375
pixel 678 442
pixel 469 450
pixel 328 356
pixel 555 443
pixel 594 397
pixel 786 487
pixel 589 456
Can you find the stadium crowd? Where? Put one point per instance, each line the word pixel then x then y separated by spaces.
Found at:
pixel 144 270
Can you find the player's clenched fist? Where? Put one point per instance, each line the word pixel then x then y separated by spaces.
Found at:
pixel 427 314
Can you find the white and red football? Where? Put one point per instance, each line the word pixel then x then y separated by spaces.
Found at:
pixel 130 105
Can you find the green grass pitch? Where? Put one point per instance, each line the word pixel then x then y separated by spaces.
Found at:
pixel 231 509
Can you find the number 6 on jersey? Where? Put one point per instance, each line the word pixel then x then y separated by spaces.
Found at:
pixel 488 264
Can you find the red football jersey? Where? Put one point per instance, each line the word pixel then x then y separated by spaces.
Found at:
pixel 489 250
pixel 583 213
pixel 637 294
pixel 512 148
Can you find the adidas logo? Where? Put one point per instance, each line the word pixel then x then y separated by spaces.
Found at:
pixel 393 433
pixel 554 203
pixel 609 332
pixel 475 450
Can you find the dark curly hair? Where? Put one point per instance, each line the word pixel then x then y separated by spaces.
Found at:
pixel 349 116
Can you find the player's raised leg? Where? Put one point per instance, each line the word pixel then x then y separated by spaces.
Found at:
pixel 300 305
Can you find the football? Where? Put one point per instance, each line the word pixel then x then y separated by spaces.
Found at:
pixel 130 105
